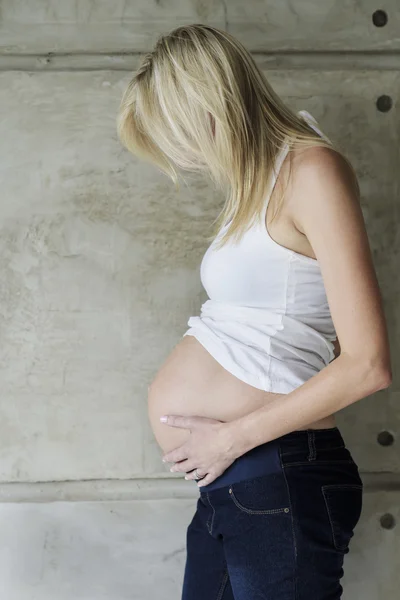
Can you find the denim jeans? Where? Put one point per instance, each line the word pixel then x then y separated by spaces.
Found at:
pixel 277 523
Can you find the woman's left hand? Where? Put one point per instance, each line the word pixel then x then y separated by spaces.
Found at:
pixel 210 448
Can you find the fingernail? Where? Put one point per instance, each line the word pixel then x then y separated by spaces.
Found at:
pixel 163 419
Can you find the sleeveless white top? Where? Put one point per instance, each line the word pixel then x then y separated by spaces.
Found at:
pixel 267 319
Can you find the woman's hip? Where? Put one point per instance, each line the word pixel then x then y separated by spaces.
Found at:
pixel 307 477
pixel 282 516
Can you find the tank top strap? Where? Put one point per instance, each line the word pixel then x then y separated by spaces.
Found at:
pixel 280 157
pixel 283 153
pixel 312 121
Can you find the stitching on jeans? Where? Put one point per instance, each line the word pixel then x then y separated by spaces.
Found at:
pixel 330 520
pixel 293 453
pixel 325 490
pixel 314 446
pixel 213 515
pixel 210 526
pixel 311 445
pixel 292 521
pixel 223 584
pixel 341 486
pixel 209 518
pixel 320 462
pixel 270 511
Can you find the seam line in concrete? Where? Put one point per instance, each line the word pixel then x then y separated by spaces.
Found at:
pixel 280 59
pixel 149 488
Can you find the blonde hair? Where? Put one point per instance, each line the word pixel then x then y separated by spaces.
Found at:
pixel 198 102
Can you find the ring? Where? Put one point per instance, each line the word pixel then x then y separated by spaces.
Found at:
pixel 197 477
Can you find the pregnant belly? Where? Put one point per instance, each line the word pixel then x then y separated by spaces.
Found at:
pixel 192 383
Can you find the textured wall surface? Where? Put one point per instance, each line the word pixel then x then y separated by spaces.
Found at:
pixel 135 550
pixel 98 281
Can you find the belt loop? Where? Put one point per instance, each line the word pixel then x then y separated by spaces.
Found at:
pixel 311 445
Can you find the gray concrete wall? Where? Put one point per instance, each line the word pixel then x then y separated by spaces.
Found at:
pixel 98 283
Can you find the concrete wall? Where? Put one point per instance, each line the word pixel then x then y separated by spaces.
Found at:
pixel 98 283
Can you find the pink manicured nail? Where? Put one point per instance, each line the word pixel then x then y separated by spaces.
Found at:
pixel 163 419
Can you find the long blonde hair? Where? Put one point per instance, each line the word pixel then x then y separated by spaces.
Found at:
pixel 198 102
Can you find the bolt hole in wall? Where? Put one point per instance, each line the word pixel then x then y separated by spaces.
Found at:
pixel 379 18
pixel 384 103
pixel 385 438
pixel 388 521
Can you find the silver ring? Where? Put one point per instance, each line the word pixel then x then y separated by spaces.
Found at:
pixel 197 477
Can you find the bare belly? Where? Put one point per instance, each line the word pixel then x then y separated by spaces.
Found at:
pixel 192 383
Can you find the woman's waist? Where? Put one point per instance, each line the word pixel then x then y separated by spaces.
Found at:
pixel 224 398
pixel 320 449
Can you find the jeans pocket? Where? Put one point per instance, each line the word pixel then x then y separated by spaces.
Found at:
pixel 344 505
pixel 265 495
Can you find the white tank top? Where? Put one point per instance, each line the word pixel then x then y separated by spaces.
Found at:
pixel 267 319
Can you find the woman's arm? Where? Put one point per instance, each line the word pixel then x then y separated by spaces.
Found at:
pixel 326 208
pixel 344 381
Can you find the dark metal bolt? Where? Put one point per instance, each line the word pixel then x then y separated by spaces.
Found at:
pixel 379 18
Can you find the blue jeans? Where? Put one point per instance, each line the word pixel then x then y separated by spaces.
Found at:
pixel 277 523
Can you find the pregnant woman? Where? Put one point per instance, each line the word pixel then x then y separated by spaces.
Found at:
pixel 245 403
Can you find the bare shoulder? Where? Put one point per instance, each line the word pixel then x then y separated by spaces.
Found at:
pixel 320 177
pixel 326 208
pixel 315 158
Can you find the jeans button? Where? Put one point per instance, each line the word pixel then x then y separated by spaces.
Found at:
pixel 230 490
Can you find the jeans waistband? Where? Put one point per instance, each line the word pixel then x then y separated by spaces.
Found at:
pixel 258 461
pixel 265 458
